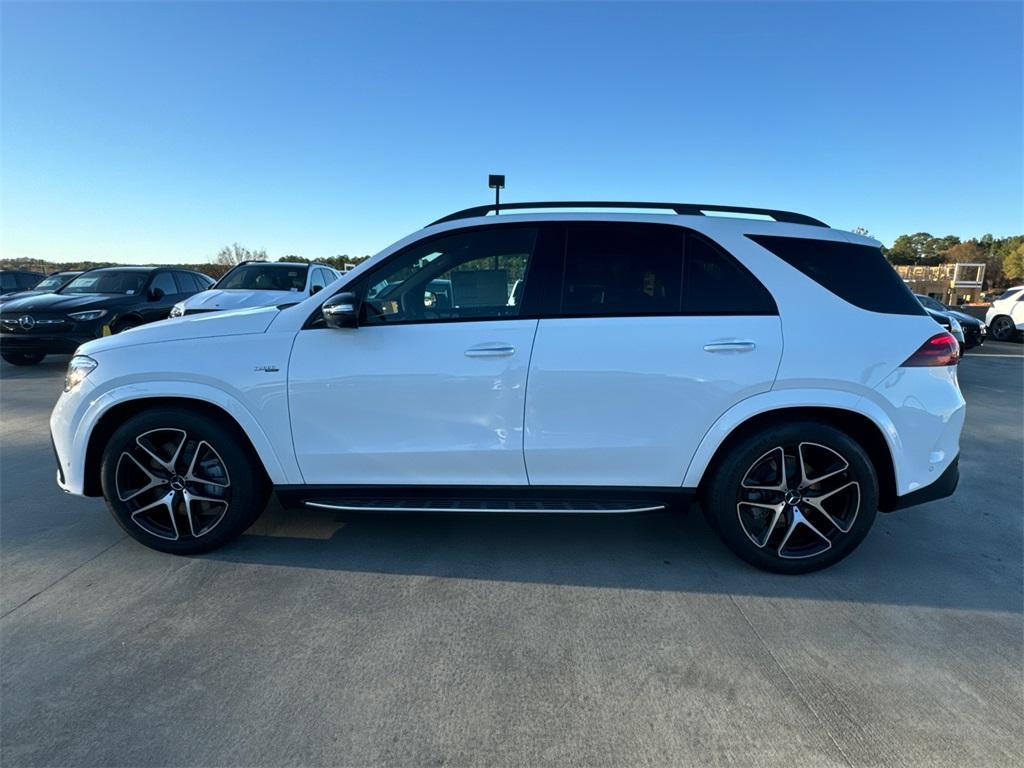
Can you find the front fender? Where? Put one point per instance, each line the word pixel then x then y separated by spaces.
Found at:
pixel 74 420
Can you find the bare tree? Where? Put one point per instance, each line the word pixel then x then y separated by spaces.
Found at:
pixel 233 254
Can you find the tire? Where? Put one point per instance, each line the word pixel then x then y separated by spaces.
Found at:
pixel 127 324
pixel 181 481
pixel 747 494
pixel 22 358
pixel 1002 328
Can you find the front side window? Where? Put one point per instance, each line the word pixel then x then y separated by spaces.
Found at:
pixel 164 282
pixel 622 269
pixel 317 282
pixel 463 276
pixel 265 277
pixel 123 281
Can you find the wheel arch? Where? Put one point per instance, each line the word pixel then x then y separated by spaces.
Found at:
pixel 857 425
pixel 118 320
pixel 118 413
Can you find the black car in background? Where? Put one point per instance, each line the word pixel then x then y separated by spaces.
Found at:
pixel 48 284
pixel 97 303
pixel 12 280
pixel 974 329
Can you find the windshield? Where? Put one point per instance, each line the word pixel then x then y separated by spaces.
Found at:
pixel 124 281
pixel 931 303
pixel 51 283
pixel 265 277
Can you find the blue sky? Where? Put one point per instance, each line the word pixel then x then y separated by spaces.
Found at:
pixel 160 132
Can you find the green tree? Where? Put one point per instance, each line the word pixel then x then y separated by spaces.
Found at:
pixel 1013 263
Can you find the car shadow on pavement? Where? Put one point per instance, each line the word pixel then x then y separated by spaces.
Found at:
pixel 648 551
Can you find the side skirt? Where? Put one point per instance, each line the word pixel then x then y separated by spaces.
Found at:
pixel 476 498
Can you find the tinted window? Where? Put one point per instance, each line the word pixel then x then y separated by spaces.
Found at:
pixel 266 277
pixel 164 281
pixel 464 276
pixel 714 283
pixel 28 280
pixel 104 281
pixel 622 269
pixel 317 282
pixel 186 283
pixel 1008 293
pixel 858 274
pixel 7 282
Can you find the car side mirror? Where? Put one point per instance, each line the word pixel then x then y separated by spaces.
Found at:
pixel 315 289
pixel 341 311
pixel 155 294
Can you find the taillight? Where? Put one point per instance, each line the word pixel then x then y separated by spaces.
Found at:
pixel 940 349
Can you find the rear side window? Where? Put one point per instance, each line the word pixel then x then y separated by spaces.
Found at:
pixel 858 274
pixel 622 269
pixel 714 283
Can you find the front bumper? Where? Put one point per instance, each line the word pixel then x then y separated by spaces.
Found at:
pixel 43 344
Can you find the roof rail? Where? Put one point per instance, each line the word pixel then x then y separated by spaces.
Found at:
pixel 683 209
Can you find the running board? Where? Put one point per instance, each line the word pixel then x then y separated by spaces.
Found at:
pixel 485 505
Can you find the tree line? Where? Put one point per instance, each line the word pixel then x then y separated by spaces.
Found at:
pixel 1003 257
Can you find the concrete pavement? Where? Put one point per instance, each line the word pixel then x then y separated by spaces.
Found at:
pixel 499 640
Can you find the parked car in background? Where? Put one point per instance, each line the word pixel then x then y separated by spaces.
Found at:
pixel 48 284
pixel 669 357
pixel 259 284
pixel 972 330
pixel 12 280
pixel 96 303
pixel 1005 318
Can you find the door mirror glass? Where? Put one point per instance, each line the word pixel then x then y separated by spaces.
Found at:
pixel 155 294
pixel 341 311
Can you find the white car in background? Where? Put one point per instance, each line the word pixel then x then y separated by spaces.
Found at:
pixel 259 284
pixel 1005 318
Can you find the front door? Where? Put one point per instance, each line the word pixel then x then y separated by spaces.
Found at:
pixel 430 389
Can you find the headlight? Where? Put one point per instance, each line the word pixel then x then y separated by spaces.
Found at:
pixel 79 367
pixel 91 314
pixel 177 310
pixel 955 325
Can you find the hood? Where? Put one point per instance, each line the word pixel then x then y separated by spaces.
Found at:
pixel 76 302
pixel 217 299
pixel 964 318
pixel 221 324
pixel 19 295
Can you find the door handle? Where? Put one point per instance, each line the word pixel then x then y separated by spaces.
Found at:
pixel 732 345
pixel 491 350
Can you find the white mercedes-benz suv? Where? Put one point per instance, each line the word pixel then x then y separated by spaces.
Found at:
pixel 623 360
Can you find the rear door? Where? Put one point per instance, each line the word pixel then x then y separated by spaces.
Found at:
pixel 658 333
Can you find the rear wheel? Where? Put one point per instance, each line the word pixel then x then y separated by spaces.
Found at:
pixel 182 482
pixel 793 498
pixel 22 358
pixel 1003 328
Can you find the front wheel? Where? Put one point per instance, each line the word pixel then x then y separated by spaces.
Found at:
pixel 1002 328
pixel 182 482
pixel 793 498
pixel 22 358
